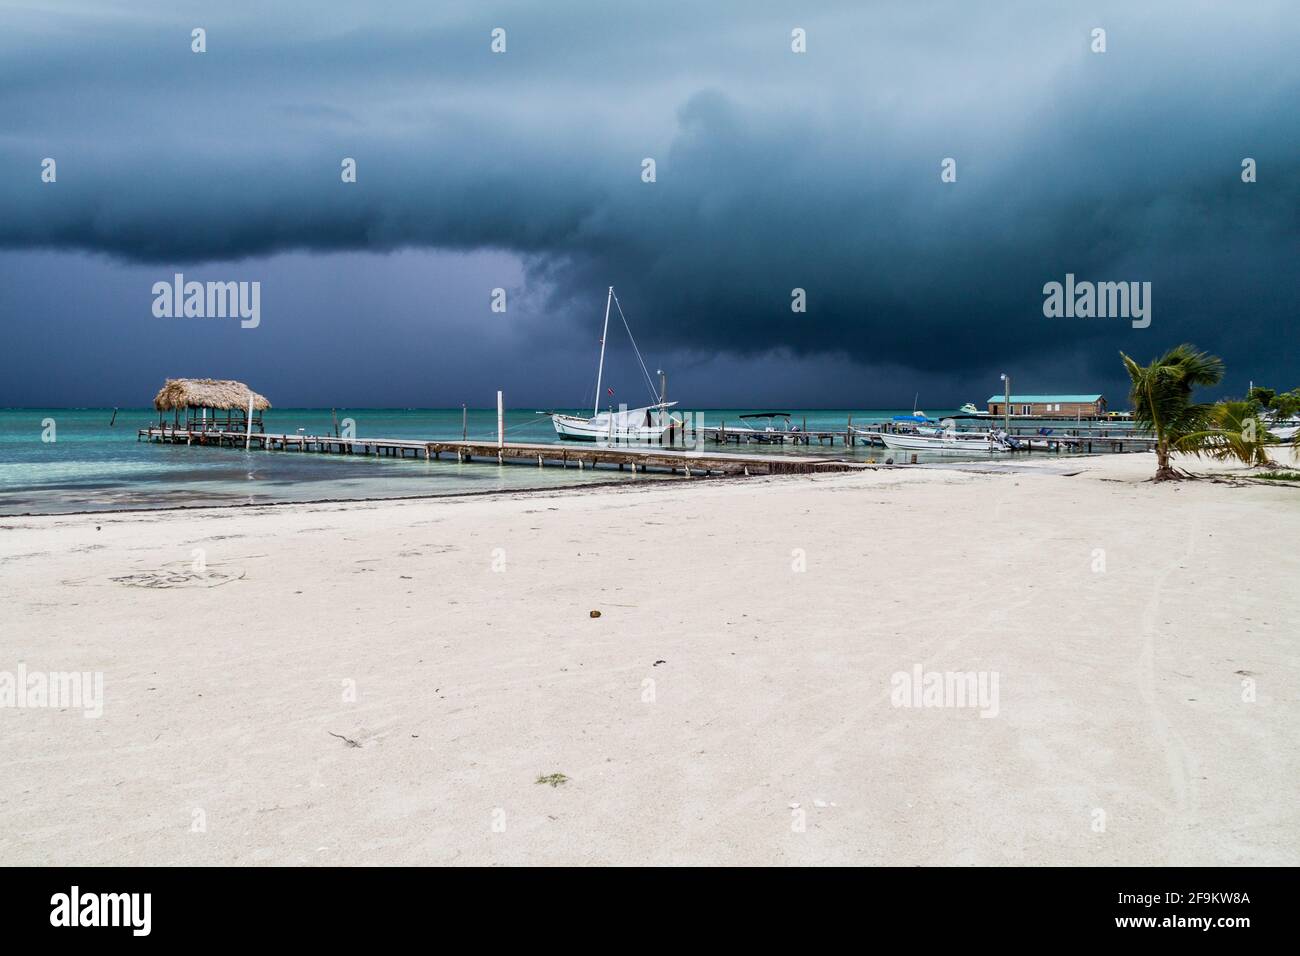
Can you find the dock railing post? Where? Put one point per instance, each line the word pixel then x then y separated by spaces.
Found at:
pixel 501 425
pixel 464 422
pixel 248 425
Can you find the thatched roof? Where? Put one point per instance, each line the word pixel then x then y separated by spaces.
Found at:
pixel 206 393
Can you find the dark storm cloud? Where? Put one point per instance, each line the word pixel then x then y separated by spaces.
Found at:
pixel 775 170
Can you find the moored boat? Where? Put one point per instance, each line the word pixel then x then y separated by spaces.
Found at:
pixel 644 424
pixel 625 425
pixel 947 440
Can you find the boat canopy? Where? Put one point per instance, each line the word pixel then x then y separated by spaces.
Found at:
pixel 767 415
pixel 630 418
pixel 910 418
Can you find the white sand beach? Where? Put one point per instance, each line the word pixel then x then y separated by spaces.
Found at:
pixel 384 682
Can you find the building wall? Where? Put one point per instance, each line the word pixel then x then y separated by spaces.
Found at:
pixel 1044 410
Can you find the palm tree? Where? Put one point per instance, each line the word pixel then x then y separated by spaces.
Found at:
pixel 1235 431
pixel 1162 398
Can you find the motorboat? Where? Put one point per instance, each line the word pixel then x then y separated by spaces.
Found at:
pixel 946 439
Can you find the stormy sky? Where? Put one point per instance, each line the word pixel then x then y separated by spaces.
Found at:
pixel 522 170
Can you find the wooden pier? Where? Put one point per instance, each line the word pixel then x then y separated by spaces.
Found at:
pixel 722 435
pixel 1079 441
pixel 1085 444
pixel 637 458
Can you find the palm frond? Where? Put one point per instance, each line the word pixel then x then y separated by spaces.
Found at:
pixel 1228 431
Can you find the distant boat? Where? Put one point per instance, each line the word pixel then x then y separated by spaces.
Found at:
pixel 776 427
pixel 645 424
pixel 914 424
pixel 970 409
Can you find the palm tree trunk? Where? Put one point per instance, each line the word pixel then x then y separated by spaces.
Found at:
pixel 1164 471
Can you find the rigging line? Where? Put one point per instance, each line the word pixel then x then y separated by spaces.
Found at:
pixel 487 435
pixel 644 371
pixel 590 396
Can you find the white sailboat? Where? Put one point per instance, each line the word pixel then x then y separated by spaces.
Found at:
pixel 625 425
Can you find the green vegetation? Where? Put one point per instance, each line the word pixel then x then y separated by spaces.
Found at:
pixel 1161 394
pixel 1229 430
pixel 1283 405
pixel 1279 476
pixel 1235 432
pixel 554 779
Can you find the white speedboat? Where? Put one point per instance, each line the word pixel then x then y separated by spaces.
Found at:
pixel 947 441
pixel 624 425
pixel 970 409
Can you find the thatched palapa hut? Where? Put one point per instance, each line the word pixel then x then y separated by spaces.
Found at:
pixel 210 404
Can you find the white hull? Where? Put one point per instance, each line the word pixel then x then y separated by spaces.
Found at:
pixel 626 426
pixel 590 429
pixel 949 443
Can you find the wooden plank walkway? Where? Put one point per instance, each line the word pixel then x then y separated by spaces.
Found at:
pixel 584 455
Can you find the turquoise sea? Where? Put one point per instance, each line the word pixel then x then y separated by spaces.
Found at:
pixel 71 460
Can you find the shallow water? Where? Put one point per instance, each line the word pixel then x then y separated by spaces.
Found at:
pixel 68 460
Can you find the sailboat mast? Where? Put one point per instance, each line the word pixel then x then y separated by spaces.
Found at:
pixel 600 371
